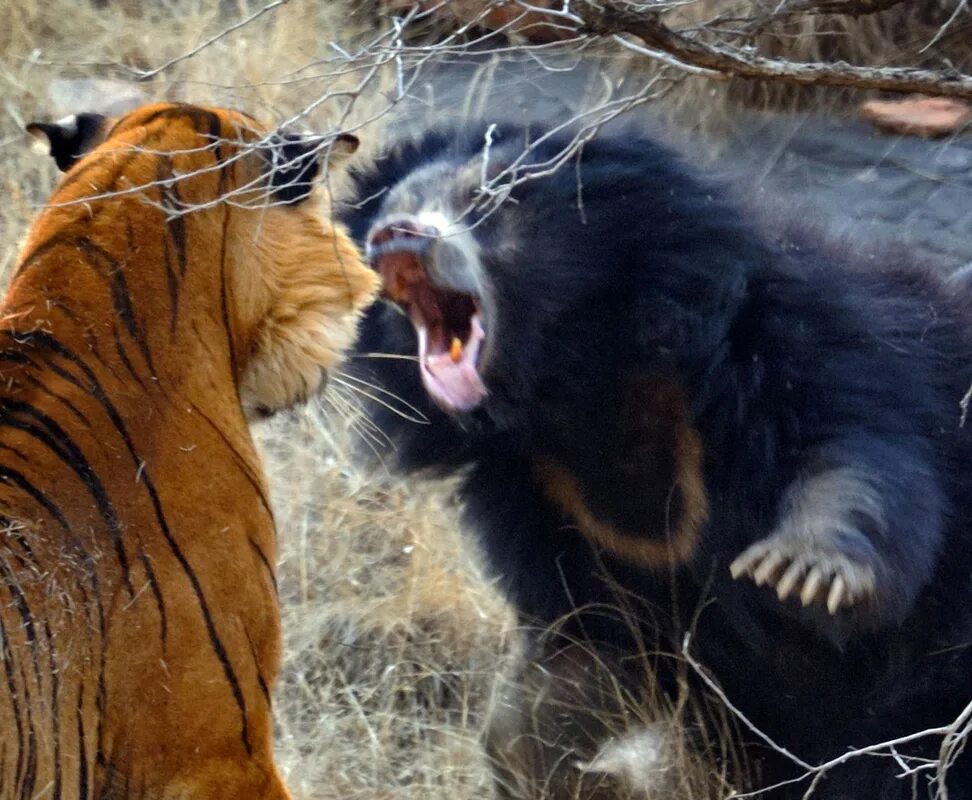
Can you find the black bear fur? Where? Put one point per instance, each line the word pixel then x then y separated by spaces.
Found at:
pixel 665 362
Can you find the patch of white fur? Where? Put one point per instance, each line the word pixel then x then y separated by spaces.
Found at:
pixel 642 760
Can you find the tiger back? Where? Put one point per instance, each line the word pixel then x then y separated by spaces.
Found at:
pixel 181 274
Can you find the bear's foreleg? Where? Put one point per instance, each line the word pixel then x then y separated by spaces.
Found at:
pixel 857 533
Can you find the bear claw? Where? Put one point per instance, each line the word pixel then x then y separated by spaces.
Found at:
pixel 816 574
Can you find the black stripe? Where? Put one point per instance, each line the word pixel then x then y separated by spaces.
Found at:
pixel 157 593
pixel 19 453
pixel 173 286
pixel 41 250
pixel 216 135
pixel 215 641
pixel 101 698
pixel 113 270
pixel 264 688
pixel 29 778
pixel 55 712
pixel 240 461
pixel 227 326
pixel 67 403
pixel 174 203
pixel 126 362
pixel 94 347
pixel 6 473
pixel 271 573
pixel 61 444
pixel 176 111
pixel 14 357
pixel 109 268
pixel 176 226
pixel 90 385
pixel 82 747
pixel 200 118
pixel 61 304
pixel 113 173
pixel 41 339
pixel 12 529
pixel 224 307
pixel 14 702
pixel 26 618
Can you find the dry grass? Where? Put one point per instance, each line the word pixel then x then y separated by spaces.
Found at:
pixel 392 637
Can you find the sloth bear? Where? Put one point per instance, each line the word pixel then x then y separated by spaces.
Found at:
pixel 735 429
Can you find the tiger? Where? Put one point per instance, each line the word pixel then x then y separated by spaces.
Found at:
pixel 182 279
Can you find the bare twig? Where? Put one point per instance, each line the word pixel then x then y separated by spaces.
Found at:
pixel 852 8
pixel 614 19
pixel 144 75
pixel 954 736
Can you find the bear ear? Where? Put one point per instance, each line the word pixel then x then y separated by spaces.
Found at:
pixel 295 160
pixel 70 138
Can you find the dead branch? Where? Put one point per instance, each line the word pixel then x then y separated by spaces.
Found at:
pixel 954 736
pixel 613 19
pixel 851 8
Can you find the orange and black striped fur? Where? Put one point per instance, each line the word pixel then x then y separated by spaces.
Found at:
pixel 176 277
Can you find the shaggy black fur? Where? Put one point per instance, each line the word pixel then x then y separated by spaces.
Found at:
pixel 661 364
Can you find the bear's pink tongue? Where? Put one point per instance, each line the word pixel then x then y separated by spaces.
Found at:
pixel 449 374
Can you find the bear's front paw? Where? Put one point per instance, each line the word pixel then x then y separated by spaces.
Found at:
pixel 835 568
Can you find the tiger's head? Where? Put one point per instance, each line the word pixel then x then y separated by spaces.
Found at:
pixel 211 240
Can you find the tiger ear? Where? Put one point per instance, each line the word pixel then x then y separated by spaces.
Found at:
pixel 295 161
pixel 70 138
pixel 345 144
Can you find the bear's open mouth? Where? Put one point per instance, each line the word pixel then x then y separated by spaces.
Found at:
pixel 447 322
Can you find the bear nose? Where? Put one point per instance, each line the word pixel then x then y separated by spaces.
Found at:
pixel 401 233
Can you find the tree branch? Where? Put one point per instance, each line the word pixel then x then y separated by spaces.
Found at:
pixel 851 8
pixel 611 19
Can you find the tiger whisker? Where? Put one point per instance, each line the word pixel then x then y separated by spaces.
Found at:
pixel 398 356
pixel 375 393
pixel 373 437
pixel 350 407
pixel 397 411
